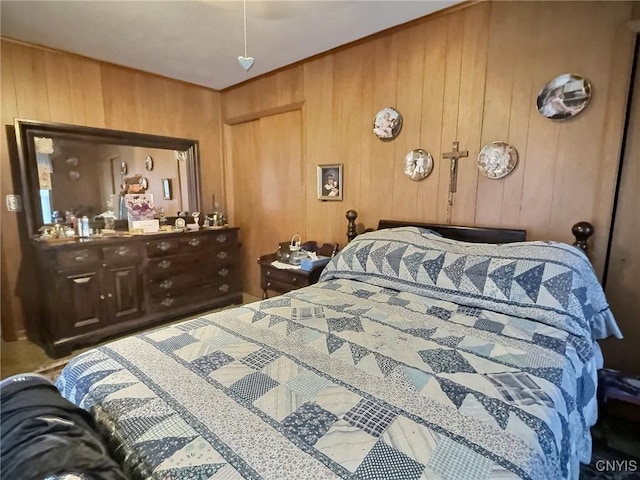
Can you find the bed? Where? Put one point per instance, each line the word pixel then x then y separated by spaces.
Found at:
pixel 414 357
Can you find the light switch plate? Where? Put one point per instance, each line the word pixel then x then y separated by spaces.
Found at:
pixel 14 203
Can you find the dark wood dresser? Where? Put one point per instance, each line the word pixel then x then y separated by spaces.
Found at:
pixel 94 289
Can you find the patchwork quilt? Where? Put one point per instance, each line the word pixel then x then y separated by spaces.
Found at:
pixel 349 379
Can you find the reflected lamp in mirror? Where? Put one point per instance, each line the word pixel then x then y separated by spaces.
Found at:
pixel 167 193
pixel 108 158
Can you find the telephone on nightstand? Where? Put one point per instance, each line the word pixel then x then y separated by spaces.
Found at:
pixel 292 252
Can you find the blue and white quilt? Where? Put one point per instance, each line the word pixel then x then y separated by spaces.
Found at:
pixel 403 362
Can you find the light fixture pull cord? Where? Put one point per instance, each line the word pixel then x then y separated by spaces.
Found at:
pixel 245 28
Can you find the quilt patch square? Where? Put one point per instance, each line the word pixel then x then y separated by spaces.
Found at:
pixel 309 422
pixel 370 416
pixel 260 358
pixel 519 388
pixel 386 463
pixel 454 460
pixel 213 361
pixel 299 314
pixel 253 386
pixel 308 384
pixel 177 342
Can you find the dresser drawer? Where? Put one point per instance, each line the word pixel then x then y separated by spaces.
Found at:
pixel 194 243
pixel 127 252
pixel 77 257
pixel 159 248
pixel 161 301
pixel 192 279
pixel 224 238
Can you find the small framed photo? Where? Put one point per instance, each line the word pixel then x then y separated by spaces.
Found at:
pixel 330 182
pixel 167 192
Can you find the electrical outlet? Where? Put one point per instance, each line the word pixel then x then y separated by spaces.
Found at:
pixel 14 203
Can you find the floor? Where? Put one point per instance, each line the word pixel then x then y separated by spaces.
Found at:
pixel 25 356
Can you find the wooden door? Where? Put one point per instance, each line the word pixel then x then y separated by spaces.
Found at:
pixel 623 269
pixel 80 303
pixel 124 292
pixel 269 190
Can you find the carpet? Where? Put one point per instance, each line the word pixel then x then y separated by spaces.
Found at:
pixel 52 370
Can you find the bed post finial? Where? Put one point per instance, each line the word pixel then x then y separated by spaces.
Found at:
pixel 351 228
pixel 582 231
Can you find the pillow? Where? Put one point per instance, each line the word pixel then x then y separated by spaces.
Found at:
pixel 549 282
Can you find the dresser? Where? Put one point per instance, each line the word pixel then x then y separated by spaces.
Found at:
pixel 91 290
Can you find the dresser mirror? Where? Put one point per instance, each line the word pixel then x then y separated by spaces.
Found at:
pixel 71 171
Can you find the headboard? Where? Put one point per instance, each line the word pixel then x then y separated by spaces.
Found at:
pixel 464 234
pixel 581 231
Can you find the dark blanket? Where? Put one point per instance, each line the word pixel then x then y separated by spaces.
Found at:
pixel 44 435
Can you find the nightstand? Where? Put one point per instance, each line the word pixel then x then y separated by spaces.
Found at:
pixel 284 280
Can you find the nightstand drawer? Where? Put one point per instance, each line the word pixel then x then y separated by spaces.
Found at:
pixel 292 277
pixel 77 258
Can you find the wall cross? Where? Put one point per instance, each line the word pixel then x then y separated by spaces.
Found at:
pixel 453 156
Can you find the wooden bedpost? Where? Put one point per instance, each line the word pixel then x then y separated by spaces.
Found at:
pixel 351 227
pixel 582 231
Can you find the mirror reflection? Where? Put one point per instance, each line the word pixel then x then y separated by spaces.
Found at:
pixel 78 178
pixel 71 171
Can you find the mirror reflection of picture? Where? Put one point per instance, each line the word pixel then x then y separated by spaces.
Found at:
pixel 167 193
pixel 330 182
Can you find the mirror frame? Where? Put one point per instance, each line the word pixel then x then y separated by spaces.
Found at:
pixel 26 130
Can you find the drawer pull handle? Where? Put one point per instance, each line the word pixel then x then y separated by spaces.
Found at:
pixel 224 287
pixel 194 242
pixel 164 264
pixel 268 273
pixel 167 302
pixel 82 257
pixel 164 246
pixel 101 297
pixel 166 284
pixel 221 238
pixel 294 279
pixel 122 251
pixel 222 255
pixel 110 295
pixel 223 272
pixel 268 284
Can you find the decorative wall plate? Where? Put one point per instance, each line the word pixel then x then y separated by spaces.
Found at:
pixel 418 164
pixel 387 124
pixel 497 160
pixel 564 97
pixel 148 163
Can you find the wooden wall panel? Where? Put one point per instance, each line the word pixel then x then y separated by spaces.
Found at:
pixel 46 85
pixel 470 75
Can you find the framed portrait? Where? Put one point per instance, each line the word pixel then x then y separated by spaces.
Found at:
pixel 167 192
pixel 330 182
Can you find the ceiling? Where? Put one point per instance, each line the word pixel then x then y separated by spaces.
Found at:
pixel 199 41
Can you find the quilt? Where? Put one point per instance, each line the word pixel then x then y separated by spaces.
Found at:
pixel 351 378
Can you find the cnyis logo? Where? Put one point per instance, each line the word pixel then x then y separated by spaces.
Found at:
pixel 616 465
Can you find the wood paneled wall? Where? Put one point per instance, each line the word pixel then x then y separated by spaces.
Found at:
pixel 45 85
pixel 470 75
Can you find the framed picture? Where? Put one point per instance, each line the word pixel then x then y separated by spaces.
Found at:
pixel 387 124
pixel 167 192
pixel 330 182
pixel 564 97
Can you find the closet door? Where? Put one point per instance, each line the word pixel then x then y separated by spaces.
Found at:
pixel 623 270
pixel 268 187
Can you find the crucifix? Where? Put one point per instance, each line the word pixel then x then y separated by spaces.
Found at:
pixel 453 156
